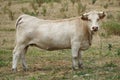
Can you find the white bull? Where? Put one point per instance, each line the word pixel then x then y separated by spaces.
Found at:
pixel 74 33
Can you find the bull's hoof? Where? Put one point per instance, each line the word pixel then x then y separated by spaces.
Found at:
pixel 25 69
pixel 75 68
pixel 14 70
pixel 80 66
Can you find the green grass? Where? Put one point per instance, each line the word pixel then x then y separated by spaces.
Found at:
pixel 56 65
pixel 112 27
pixel 47 1
pixel 9 30
pixel 4 61
pixel 22 1
pixel 118 52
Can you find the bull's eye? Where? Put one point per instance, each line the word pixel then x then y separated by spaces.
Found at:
pixel 89 19
pixel 97 19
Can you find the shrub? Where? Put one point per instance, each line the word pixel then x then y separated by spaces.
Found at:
pixel 81 8
pixel 26 11
pixel 11 14
pixel 5 9
pixel 118 17
pixel 22 1
pixel 110 16
pixel 93 1
pixel 119 3
pixel 110 64
pixel 44 11
pixel 40 2
pixel 64 7
pixel 109 47
pixel 35 9
pixel 9 3
pixel 118 52
pixel 3 63
pixel 105 6
pixel 73 1
pixel 112 28
pixel 47 1
pixel 32 78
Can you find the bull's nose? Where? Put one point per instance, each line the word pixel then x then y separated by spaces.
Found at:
pixel 95 28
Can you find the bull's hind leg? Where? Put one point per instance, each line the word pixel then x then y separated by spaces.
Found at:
pixel 16 56
pixel 23 59
pixel 18 53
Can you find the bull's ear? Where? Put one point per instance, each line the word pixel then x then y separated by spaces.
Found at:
pixel 101 15
pixel 84 17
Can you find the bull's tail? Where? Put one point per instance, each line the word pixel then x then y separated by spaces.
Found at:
pixel 19 21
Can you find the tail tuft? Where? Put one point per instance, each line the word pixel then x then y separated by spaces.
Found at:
pixel 18 21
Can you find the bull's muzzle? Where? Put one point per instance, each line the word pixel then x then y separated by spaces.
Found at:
pixel 95 29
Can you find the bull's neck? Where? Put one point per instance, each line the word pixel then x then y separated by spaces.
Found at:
pixel 87 33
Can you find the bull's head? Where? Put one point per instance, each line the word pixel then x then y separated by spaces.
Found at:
pixel 93 17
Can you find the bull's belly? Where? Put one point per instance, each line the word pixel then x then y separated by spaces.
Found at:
pixel 52 45
pixel 57 45
pixel 55 48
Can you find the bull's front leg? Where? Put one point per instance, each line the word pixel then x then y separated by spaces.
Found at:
pixel 80 64
pixel 75 54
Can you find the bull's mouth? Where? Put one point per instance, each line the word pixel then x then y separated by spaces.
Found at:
pixel 95 30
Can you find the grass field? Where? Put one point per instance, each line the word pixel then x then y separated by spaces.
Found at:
pixel 101 60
